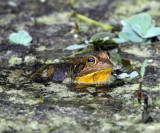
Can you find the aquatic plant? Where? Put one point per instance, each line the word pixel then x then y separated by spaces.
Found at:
pixel 138 28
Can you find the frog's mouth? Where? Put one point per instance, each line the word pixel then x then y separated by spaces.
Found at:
pixel 98 77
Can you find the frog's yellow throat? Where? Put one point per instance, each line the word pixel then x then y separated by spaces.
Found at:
pixel 98 77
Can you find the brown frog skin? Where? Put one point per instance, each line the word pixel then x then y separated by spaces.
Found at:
pixel 91 69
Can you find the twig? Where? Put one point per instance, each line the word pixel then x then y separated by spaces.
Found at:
pixel 88 20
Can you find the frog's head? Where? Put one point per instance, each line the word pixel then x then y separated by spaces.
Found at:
pixel 93 69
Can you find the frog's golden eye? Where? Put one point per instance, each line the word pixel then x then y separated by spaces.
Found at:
pixel 91 61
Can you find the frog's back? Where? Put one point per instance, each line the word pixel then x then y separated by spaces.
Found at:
pixel 61 71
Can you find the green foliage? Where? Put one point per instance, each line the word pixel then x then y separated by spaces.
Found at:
pixel 103 41
pixel 100 36
pixel 21 37
pixel 138 28
pixel 103 37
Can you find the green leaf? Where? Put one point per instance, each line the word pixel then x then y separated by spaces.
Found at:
pixel 123 76
pixel 143 67
pixel 100 36
pixel 152 32
pixel 138 29
pixel 75 47
pixel 139 23
pixel 22 37
pixel 119 40
pixel 130 36
pixel 133 74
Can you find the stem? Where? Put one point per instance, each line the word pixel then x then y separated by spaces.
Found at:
pixel 72 3
pixel 140 93
pixel 88 20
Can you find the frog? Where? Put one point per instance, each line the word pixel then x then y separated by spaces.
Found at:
pixel 88 70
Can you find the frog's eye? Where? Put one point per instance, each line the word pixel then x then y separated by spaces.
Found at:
pixel 91 61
